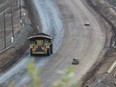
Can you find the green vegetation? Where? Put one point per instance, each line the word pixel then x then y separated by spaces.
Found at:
pixel 33 72
pixel 66 79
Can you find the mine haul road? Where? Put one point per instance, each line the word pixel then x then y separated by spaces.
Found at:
pixel 83 42
pixel 71 38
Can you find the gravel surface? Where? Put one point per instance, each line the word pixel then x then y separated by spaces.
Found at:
pixel 65 21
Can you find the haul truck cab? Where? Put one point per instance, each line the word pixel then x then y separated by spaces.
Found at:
pixel 41 44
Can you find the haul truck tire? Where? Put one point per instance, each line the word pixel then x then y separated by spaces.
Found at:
pixel 31 52
pixel 51 48
pixel 48 51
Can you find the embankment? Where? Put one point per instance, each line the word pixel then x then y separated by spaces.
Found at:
pixel 109 14
pixel 13 53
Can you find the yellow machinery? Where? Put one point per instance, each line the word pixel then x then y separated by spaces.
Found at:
pixel 41 44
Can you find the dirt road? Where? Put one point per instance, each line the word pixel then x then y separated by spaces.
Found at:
pixel 84 42
pixel 65 19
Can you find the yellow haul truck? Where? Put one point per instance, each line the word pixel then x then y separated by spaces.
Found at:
pixel 41 44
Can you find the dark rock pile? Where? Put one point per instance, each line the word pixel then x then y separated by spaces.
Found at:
pixel 104 80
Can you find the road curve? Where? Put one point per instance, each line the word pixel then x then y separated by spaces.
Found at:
pixel 64 19
pixel 84 42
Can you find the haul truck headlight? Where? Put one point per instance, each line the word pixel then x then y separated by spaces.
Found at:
pixel 31 46
pixel 47 46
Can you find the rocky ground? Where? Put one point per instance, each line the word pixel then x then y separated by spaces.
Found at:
pixel 9 24
pixel 17 50
pixel 101 78
pixel 21 30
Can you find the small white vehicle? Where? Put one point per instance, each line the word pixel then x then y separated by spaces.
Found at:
pixel 87 23
pixel 75 61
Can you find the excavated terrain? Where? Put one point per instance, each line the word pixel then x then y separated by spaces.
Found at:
pixel 101 78
pixel 17 49
pixel 12 52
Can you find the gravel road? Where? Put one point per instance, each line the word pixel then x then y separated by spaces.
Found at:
pixel 83 42
pixel 65 19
